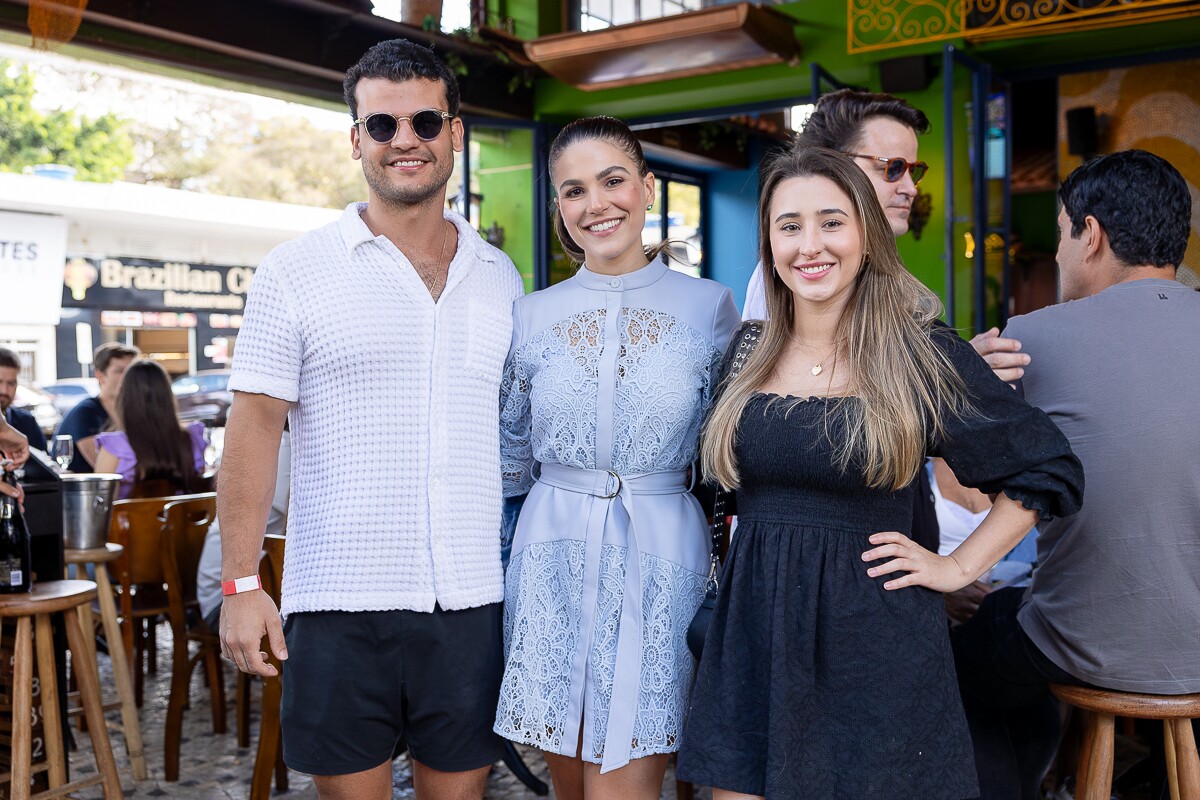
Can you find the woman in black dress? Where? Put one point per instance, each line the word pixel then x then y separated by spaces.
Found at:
pixel 827 671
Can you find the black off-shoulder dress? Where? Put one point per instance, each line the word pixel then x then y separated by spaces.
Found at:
pixel 816 682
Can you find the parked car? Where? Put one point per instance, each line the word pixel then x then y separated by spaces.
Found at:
pixel 204 396
pixel 69 392
pixel 41 405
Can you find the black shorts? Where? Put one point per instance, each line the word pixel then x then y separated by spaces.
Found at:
pixel 356 684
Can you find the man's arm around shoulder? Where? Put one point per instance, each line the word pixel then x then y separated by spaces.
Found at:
pixel 245 489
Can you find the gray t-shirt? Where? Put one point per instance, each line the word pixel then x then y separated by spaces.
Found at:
pixel 1116 598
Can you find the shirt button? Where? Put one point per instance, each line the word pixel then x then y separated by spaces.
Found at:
pixel 615 283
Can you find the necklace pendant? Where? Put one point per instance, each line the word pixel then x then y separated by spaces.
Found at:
pixel 816 370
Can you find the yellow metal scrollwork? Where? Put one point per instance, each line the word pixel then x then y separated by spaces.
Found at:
pixel 883 24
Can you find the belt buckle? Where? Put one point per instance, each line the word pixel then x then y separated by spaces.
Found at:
pixel 613 477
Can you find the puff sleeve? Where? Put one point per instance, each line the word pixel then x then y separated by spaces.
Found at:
pixel 1005 444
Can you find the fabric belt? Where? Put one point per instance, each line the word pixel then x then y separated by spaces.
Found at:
pixel 604 488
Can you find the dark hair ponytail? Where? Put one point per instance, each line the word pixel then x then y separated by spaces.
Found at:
pixel 617 133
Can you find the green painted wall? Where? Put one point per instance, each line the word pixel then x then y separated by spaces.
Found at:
pixel 502 176
pixel 820 27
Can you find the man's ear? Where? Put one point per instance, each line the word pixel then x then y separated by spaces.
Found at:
pixel 457 134
pixel 355 151
pixel 1094 236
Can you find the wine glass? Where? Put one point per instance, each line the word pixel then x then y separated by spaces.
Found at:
pixel 63 450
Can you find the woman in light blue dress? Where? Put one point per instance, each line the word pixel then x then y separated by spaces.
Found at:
pixel 607 383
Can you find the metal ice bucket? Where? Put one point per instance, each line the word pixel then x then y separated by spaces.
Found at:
pixel 87 500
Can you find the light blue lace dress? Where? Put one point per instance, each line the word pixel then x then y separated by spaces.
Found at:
pixel 606 386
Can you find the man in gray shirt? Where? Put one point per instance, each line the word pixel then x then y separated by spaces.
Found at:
pixel 1115 602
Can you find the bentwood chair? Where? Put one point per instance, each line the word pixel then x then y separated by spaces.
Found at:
pixel 269 757
pixel 186 523
pixel 137 526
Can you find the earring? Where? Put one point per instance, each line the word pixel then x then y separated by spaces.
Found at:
pixel 649 206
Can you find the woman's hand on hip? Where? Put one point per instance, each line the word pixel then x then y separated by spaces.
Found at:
pixel 920 566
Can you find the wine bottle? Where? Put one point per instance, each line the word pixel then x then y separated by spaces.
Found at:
pixel 16 574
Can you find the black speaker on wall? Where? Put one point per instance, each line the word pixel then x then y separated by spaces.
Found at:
pixel 905 74
pixel 1081 131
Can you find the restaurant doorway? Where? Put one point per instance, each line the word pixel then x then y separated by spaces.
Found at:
pixel 172 347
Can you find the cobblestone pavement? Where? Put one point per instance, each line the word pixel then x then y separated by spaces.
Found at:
pixel 213 767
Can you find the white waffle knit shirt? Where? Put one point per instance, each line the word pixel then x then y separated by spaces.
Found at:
pixel 395 416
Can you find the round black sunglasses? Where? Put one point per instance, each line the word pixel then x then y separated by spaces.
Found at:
pixel 426 124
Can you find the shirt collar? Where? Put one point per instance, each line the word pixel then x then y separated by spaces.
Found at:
pixel 638 279
pixel 470 244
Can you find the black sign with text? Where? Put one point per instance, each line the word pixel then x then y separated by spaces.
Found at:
pixel 147 285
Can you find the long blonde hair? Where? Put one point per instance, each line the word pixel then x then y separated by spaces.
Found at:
pixel 902 386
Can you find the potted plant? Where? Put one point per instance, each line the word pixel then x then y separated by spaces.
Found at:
pixel 425 14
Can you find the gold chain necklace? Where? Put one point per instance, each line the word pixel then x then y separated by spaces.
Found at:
pixel 431 266
pixel 818 368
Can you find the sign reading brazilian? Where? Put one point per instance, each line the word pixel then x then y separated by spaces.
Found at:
pixel 147 285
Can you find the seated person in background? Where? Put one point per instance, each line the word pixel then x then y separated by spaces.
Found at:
pixel 19 418
pixel 1114 602
pixel 89 417
pixel 147 442
pixel 959 511
pixel 208 574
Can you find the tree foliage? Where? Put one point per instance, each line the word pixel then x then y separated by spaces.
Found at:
pixel 99 149
pixel 204 142
pixel 281 159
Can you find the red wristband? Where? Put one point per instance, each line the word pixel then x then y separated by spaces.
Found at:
pixel 247 584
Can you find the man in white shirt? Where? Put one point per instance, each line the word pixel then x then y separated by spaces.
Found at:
pixel 381 338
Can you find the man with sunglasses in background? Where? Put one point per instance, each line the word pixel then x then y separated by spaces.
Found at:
pixel 382 338
pixel 879 131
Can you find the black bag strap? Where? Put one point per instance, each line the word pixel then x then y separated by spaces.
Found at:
pixel 747 339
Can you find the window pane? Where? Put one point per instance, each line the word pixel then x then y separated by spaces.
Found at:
pixel 454 187
pixel 683 227
pixel 597 14
pixel 502 192
pixel 624 12
pixel 652 230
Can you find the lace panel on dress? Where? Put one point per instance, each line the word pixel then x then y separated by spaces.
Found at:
pixel 665 372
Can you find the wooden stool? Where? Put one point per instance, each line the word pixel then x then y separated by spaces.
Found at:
pixel 130 726
pixel 1093 780
pixel 34 609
